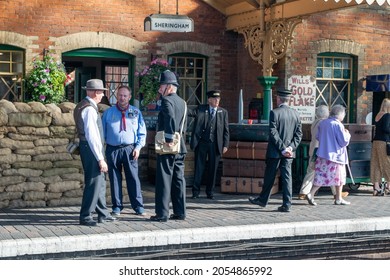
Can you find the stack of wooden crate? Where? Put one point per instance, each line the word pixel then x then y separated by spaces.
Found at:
pixel 243 168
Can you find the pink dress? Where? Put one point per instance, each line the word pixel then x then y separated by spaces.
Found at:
pixel 329 173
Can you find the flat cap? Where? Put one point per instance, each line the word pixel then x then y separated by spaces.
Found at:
pixel 213 93
pixel 284 92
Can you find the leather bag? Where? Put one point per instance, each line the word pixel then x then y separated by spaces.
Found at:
pixel 73 146
pixel 159 140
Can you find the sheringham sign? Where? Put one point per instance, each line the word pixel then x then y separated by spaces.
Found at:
pixel 168 23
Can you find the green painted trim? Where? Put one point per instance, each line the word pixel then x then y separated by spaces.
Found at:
pixel 99 53
pixel 10 48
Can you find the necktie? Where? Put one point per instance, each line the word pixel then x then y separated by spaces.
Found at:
pixel 123 122
pixel 213 112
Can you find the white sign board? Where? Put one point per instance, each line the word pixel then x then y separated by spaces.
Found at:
pixel 303 96
pixel 168 23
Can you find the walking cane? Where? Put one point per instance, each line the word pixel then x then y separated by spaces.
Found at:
pixel 350 173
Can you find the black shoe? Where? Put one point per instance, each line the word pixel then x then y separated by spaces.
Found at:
pixel 107 219
pixel 257 201
pixel 177 217
pixel 158 219
pixel 195 196
pixel 283 209
pixel 211 197
pixel 88 223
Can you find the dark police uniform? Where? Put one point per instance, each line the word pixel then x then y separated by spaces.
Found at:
pixel 170 181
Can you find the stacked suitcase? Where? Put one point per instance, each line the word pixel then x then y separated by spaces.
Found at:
pixel 359 151
pixel 243 168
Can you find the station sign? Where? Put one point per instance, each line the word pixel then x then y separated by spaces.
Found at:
pixel 168 23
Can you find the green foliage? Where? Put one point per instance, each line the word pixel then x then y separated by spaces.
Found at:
pixel 46 81
pixel 149 80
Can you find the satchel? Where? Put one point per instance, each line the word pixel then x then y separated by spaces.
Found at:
pixel 73 146
pixel 159 140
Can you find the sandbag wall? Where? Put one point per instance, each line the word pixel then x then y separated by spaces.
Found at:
pixel 35 169
pixel 243 168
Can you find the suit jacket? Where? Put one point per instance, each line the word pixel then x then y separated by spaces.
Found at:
pixel 171 117
pixel 202 116
pixel 285 129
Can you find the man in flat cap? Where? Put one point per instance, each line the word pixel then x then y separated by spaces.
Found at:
pixel 90 132
pixel 209 140
pixel 285 134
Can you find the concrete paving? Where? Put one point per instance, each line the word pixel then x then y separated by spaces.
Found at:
pixel 51 230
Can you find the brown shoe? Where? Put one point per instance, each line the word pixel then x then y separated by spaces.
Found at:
pixel 302 196
pixel 343 194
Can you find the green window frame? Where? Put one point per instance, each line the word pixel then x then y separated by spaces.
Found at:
pixel 12 69
pixel 335 81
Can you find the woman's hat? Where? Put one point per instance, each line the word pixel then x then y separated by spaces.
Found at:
pixel 94 84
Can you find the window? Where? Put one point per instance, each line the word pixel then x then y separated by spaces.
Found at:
pixel 115 76
pixel 192 76
pixel 11 73
pixel 334 80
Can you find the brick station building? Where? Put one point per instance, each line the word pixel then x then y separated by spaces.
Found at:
pixel 106 39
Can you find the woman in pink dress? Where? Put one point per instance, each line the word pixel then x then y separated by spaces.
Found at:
pixel 331 155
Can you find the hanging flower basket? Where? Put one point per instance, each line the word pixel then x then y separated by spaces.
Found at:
pixel 46 81
pixel 149 83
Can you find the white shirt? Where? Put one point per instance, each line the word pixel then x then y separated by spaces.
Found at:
pixel 92 134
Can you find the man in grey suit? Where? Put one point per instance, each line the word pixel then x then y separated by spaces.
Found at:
pixel 285 134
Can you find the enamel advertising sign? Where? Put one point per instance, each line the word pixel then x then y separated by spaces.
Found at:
pixel 303 96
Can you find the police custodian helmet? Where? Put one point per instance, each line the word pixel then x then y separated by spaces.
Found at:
pixel 168 77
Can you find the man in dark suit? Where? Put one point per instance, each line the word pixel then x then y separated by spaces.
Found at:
pixel 170 181
pixel 285 134
pixel 209 140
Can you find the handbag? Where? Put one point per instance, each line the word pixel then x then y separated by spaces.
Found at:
pixel 388 148
pixel 159 140
pixel 73 146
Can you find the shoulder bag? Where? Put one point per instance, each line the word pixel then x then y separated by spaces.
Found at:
pixel 159 141
pixel 73 146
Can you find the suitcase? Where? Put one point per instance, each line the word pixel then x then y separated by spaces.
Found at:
pixel 243 168
pixel 360 132
pixel 244 132
pixel 246 150
pixel 359 169
pixel 257 185
pixel 359 150
pixel 244 185
pixel 228 184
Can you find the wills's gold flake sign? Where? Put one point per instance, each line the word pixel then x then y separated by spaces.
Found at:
pixel 168 23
